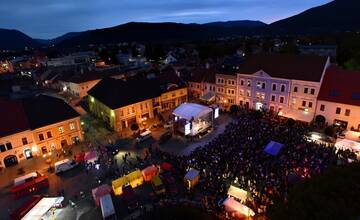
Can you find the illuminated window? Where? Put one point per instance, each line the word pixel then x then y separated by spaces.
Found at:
pixel 61 130
pixel 72 126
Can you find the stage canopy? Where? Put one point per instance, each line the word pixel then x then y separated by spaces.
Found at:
pixel 42 207
pixel 273 148
pixel 236 208
pixel 237 193
pixel 192 174
pixel 346 144
pixel 191 110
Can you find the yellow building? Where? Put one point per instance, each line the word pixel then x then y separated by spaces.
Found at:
pixel 36 126
pixel 122 103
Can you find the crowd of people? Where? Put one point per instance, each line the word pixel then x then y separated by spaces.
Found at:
pixel 237 157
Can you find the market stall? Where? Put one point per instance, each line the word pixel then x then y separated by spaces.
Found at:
pixel 149 172
pixel 99 192
pixel 238 193
pixel 236 209
pixel 41 210
pixel 191 178
pixel 91 157
pixel 135 179
pixel 346 144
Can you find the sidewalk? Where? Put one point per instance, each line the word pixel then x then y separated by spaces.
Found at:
pixel 39 164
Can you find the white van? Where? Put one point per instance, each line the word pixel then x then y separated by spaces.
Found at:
pixel 64 165
pixel 107 207
pixel 143 136
pixel 26 178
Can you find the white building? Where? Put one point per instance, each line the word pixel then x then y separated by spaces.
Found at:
pixel 339 98
pixel 287 84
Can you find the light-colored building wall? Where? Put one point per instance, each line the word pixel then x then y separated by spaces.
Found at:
pixel 17 144
pixel 337 111
pixel 226 90
pixel 78 89
pixel 303 95
pixel 57 135
pixel 260 90
pixel 27 144
pixel 124 117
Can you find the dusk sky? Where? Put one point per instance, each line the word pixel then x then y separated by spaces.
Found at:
pixel 51 18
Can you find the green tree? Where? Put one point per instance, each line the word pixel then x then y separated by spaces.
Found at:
pixel 334 194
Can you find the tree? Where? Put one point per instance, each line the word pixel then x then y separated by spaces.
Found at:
pixel 332 195
pixel 134 127
pixel 290 122
pixel 234 109
pixel 330 131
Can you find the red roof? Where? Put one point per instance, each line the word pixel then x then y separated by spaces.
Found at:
pixel 13 117
pixel 341 86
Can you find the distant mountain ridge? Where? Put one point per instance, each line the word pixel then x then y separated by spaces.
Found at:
pixel 15 40
pixel 335 16
pixel 242 23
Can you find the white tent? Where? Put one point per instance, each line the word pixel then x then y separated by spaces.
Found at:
pixel 346 144
pixel 191 110
pixel 237 193
pixel 297 115
pixel 42 207
pixel 236 208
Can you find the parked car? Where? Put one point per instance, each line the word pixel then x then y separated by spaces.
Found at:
pixel 144 136
pixel 65 165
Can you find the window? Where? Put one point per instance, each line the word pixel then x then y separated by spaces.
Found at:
pixel 61 130
pixel 306 90
pixel 303 103
pixel 241 82
pixel 229 81
pixel 282 99
pixel 241 92
pixel 44 150
pixel 248 93
pixel 121 112
pixel 2 148
pixel 322 108
pixel 133 109
pixel 312 91
pixel 310 104
pixel 282 88
pixel 295 89
pixel 24 141
pixel 249 83
pixel 263 85
pixel 219 81
pixel 49 135
pixel 258 84
pixel 274 87
pixel 8 146
pixel 338 110
pixel 41 137
pixel 294 101
pixel 72 125
pixel 273 98
pixel 347 112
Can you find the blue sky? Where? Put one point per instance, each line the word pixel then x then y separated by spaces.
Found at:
pixel 51 18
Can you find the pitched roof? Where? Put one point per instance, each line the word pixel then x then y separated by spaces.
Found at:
pixel 298 67
pixel 116 93
pixel 341 86
pixel 31 113
pixel 44 110
pixel 201 74
pixel 13 118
